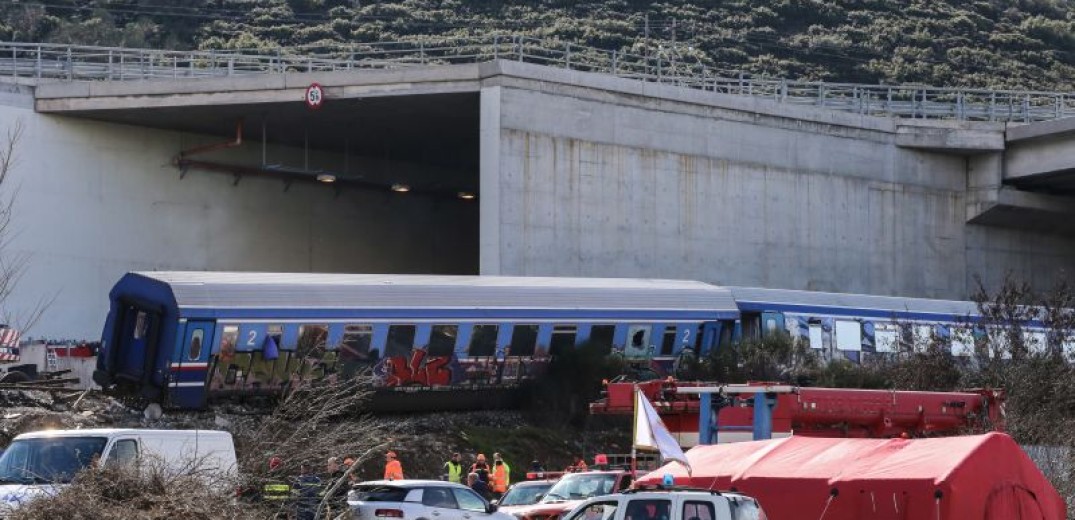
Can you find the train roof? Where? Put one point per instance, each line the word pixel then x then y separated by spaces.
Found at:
pixel 223 290
pixel 785 300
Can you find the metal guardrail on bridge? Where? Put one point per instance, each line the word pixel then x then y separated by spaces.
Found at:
pixel 86 63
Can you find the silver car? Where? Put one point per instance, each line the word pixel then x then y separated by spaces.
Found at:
pixel 419 500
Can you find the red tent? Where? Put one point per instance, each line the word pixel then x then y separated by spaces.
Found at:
pixel 980 477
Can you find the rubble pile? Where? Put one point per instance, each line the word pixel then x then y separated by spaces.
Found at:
pixel 31 410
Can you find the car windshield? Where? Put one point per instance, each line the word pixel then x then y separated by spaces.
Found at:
pixel 524 494
pixel 580 486
pixel 48 460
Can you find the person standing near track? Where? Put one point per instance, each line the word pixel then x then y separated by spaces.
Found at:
pixel 501 476
pixel 453 469
pixel 393 470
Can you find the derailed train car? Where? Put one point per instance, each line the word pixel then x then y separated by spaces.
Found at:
pixel 856 327
pixel 184 339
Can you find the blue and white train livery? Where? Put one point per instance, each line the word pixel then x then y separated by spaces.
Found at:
pixel 185 338
pixel 854 327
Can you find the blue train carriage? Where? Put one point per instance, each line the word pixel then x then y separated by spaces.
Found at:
pixel 856 327
pixel 185 338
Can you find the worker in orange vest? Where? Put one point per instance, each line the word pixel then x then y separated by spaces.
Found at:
pixel 393 470
pixel 579 466
pixel 501 476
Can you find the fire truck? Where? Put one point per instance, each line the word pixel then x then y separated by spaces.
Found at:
pixel 707 413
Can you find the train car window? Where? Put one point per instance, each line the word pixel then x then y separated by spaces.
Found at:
pixel 276 333
pixel 141 325
pixel 727 333
pixel 483 341
pixel 523 340
pixel 195 350
pixel 281 370
pixel 1067 345
pixel 886 338
pixel 563 338
pixel 638 341
pixel 1036 342
pixel 923 337
pixel 601 337
pixel 668 341
pixel 751 325
pixel 962 342
pixel 240 369
pixel 400 340
pixel 228 340
pixel 1000 342
pixel 848 335
pixel 312 339
pixel 817 339
pixel 356 342
pixel 442 340
pixel 261 371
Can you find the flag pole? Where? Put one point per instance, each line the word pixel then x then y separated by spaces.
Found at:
pixel 634 437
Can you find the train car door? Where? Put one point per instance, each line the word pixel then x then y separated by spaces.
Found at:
pixel 136 343
pixel 708 339
pixel 189 368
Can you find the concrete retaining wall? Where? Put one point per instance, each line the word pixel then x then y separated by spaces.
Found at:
pixel 618 185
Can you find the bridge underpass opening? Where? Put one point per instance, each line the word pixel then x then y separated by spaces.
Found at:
pixel 380 184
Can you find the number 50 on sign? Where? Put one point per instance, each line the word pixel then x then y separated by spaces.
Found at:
pixel 315 96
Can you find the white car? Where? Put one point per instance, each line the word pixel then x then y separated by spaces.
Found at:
pixel 39 463
pixel 419 500
pixel 673 504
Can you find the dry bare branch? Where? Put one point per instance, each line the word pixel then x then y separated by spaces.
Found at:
pixel 13 264
pixel 311 423
pixel 148 491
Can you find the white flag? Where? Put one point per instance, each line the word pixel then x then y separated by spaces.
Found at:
pixel 651 433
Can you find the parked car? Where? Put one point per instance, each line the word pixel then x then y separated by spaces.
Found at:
pixel 569 491
pixel 525 493
pixel 413 499
pixel 676 504
pixel 38 463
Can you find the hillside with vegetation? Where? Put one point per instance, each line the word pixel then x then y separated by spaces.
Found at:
pixel 1019 44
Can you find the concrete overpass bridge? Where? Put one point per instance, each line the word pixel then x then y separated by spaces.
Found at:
pixel 511 157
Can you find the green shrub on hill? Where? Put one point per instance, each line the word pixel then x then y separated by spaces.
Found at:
pixel 1003 44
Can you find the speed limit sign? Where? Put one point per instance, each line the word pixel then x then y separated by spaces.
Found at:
pixel 315 96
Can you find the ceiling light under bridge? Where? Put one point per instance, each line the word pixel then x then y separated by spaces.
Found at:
pixel 326 178
pixel 400 188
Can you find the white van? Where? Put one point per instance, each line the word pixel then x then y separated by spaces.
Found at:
pixel 36 463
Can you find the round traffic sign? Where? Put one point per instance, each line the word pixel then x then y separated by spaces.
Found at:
pixel 315 96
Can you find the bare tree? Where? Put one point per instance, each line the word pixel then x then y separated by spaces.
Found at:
pixel 1024 346
pixel 13 264
pixel 312 422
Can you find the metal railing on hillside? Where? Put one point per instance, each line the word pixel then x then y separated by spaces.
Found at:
pixel 85 63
